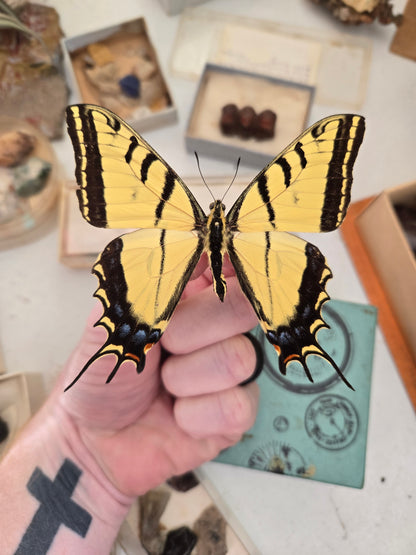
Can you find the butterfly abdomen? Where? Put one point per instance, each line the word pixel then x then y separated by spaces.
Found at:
pixel 215 245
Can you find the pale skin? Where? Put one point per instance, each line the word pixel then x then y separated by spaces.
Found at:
pixel 134 433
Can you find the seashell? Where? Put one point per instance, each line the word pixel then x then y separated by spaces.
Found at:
pixel 362 5
pixel 14 146
pixel 30 178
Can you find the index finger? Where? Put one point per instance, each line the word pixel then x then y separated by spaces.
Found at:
pixel 202 319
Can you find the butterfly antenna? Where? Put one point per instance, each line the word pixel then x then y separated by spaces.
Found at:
pixel 202 177
pixel 233 179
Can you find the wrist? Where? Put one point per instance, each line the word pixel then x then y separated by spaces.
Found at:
pixel 53 478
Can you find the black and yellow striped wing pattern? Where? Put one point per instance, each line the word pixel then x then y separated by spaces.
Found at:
pixel 124 183
pixel 307 187
pixel 304 189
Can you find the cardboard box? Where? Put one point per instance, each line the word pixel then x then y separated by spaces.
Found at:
pixel 391 255
pixel 336 64
pixel 404 41
pixel 220 86
pixel 173 7
pixel 125 45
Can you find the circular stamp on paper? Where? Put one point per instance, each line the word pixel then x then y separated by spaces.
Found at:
pixel 280 458
pixel 281 423
pixel 331 421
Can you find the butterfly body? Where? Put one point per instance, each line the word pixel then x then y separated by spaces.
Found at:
pixel 216 245
pixel 124 183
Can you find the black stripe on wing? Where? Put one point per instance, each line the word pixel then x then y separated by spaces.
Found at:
pixel 90 179
pixel 339 178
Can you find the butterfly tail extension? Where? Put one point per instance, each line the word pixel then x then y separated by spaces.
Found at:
pixel 284 278
pixel 286 355
pixel 96 356
pixel 110 348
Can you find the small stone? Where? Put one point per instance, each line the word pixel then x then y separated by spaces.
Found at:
pixel 247 122
pixel 160 103
pixel 183 482
pixel 14 146
pixel 180 541
pixel 144 69
pixel 4 430
pixel 104 78
pixel 30 178
pixel 265 125
pixel 141 112
pixel 100 53
pixel 130 86
pixel 230 120
pixel 152 506
pixel 211 529
pixel 151 90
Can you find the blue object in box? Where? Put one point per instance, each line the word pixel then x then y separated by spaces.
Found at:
pixel 315 430
pixel 130 85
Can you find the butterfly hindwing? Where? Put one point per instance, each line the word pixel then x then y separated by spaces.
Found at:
pixel 141 277
pixel 307 187
pixel 123 182
pixel 284 279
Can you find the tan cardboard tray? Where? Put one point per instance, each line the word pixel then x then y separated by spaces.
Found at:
pixel 368 258
pixel 221 85
pixel 123 49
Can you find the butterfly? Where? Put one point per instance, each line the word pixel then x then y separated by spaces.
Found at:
pixel 124 183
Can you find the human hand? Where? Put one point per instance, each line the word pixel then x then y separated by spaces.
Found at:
pixel 179 412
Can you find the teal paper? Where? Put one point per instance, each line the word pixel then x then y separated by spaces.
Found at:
pixel 315 430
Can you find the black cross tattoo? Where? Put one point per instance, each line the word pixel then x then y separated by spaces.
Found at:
pixel 56 508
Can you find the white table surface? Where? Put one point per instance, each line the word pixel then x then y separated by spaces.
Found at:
pixel 43 304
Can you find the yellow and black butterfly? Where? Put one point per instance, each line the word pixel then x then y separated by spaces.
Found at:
pixel 124 183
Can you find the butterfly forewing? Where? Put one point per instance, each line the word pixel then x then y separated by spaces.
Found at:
pixel 123 182
pixel 307 187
